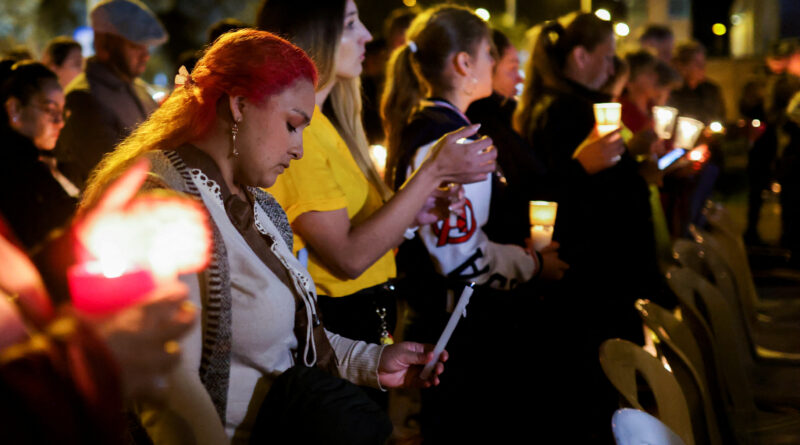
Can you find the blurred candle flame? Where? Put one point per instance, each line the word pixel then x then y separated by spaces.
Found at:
pixel 166 235
pixel 378 155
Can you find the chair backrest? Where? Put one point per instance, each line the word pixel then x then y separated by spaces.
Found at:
pixel 621 360
pixel 635 427
pixel 711 316
pixel 683 353
pixel 710 264
pixel 731 252
pixel 719 218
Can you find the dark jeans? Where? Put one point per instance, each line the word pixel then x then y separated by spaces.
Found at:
pixel 356 316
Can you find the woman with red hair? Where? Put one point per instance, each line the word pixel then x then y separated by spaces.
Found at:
pixel 228 130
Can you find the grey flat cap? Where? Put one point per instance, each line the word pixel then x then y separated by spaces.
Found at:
pixel 129 19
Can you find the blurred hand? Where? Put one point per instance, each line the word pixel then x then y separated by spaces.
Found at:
pixel 597 153
pixel 651 173
pixel 20 279
pixel 440 203
pixel 552 267
pixel 143 338
pixel 463 163
pixel 401 364
pixel 646 143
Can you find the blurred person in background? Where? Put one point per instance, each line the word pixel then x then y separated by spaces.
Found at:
pixel 779 88
pixel 612 259
pixel 18 53
pixel 615 85
pixel 522 171
pixel 189 57
pixel 660 40
pixel 36 197
pixel 64 56
pixel 108 100
pixel 698 97
pixel 667 79
pixel 640 91
pixel 375 59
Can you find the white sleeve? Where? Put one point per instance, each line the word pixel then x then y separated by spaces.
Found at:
pixel 358 360
pixel 460 248
pixel 187 415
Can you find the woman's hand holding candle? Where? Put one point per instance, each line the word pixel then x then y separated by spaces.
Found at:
pixel 553 268
pixel 143 338
pixel 440 203
pixel 400 365
pixel 460 162
pixel 597 153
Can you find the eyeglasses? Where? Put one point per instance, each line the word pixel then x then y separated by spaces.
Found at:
pixel 57 114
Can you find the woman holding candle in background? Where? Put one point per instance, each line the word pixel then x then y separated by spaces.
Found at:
pixel 604 223
pixel 445 66
pixel 344 217
pixel 230 127
pixel 523 172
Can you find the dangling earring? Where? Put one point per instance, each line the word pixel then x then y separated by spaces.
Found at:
pixel 234 132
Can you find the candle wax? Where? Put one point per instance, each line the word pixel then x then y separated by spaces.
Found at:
pixel 94 293
pixel 605 129
pixel 541 236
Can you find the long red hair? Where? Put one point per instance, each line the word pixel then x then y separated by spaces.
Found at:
pixel 249 63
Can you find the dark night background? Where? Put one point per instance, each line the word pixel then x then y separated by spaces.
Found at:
pixel 187 20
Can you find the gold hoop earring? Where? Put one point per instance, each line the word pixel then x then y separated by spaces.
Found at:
pixel 234 132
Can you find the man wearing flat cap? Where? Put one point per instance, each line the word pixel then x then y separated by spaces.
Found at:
pixel 107 100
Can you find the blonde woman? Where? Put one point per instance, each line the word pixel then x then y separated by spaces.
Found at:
pixel 342 214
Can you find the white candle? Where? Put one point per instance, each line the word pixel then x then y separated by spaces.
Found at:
pixel 687 132
pixel 541 236
pixel 608 117
pixel 664 118
pixel 448 330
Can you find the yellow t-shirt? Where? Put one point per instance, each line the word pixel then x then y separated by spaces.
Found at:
pixel 327 178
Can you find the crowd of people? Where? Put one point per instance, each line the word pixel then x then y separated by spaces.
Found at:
pixel 329 278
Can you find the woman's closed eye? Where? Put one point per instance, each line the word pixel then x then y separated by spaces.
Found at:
pixel 291 127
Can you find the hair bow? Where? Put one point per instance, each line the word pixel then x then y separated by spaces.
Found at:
pixel 183 77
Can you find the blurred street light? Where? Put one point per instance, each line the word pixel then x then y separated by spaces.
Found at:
pixel 603 14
